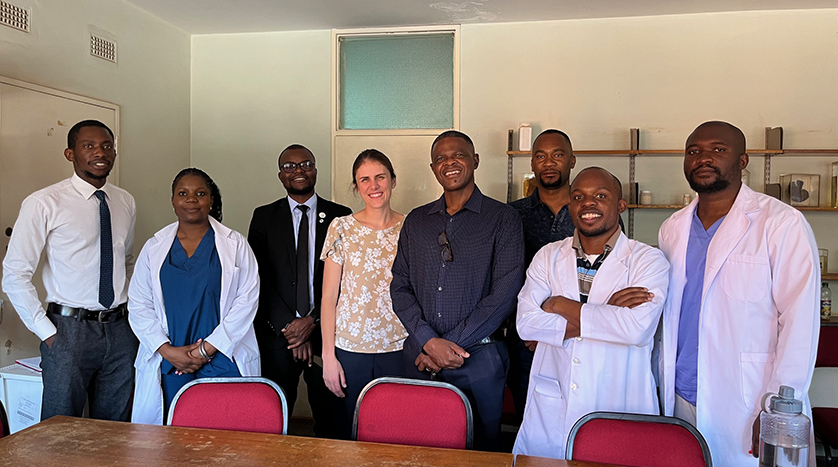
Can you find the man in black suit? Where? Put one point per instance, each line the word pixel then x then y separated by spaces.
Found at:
pixel 291 282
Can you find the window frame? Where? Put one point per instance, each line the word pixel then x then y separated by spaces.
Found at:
pixel 337 34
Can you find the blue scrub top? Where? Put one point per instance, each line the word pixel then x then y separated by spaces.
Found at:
pixel 192 296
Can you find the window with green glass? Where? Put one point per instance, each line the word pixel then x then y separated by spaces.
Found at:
pixel 396 82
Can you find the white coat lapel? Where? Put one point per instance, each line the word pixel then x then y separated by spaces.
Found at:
pixel 730 233
pixel 611 275
pixel 567 279
pixel 226 247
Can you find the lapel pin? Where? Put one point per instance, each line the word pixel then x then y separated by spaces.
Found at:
pixel 321 221
pixel 321 215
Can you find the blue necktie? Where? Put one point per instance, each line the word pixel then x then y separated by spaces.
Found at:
pixel 105 252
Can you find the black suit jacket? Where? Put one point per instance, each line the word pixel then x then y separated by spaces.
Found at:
pixel 271 236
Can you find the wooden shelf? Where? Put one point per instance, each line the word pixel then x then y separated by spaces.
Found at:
pixel 655 206
pixel 830 276
pixel 669 152
pixel 816 208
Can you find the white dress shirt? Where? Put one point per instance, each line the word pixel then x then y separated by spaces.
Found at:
pixel 297 216
pixel 64 219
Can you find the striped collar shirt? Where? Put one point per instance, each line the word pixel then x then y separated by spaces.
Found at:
pixel 585 271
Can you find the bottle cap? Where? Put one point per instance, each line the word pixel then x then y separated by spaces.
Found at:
pixel 784 402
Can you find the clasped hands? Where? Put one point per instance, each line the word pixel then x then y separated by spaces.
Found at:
pixel 440 354
pixel 297 333
pixel 187 358
pixel 571 310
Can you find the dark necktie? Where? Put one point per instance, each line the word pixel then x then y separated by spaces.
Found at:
pixel 303 300
pixel 105 252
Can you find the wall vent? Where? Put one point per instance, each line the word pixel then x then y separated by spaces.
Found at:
pixel 14 16
pixel 102 48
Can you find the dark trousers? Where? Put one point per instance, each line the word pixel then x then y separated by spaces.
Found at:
pixel 482 379
pixel 89 361
pixel 360 369
pixel 278 365
pixel 520 364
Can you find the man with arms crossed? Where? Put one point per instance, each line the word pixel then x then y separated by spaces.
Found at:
pixel 86 226
pixel 593 303
pixel 285 236
pixel 742 317
pixel 546 219
pixel 459 265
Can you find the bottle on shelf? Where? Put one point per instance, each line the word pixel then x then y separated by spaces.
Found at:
pixel 826 301
pixel 525 137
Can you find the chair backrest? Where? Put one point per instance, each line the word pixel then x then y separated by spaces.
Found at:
pixel 413 412
pixel 827 347
pixel 825 377
pixel 239 404
pixel 637 440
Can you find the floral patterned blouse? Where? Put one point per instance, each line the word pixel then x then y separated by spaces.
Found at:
pixel 365 321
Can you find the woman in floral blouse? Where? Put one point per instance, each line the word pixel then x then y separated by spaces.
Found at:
pixel 362 337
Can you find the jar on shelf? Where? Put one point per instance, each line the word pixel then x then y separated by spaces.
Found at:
pixel 834 185
pixel 645 197
pixel 525 137
pixel 823 257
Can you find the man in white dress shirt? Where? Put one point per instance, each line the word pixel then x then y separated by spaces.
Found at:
pixel 86 227
pixel 593 302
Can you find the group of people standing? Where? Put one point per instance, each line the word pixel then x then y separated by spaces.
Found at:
pixel 546 296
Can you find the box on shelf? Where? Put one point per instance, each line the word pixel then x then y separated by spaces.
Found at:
pixel 800 189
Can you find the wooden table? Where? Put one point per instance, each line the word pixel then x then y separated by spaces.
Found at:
pixel 531 461
pixel 76 441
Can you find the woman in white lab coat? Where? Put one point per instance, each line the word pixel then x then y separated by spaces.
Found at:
pixel 192 300
pixel 759 320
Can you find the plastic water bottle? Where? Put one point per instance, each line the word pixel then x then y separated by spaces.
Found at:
pixel 826 301
pixel 784 431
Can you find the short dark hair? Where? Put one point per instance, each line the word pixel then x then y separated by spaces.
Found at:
pixel 215 192
pixel 372 155
pixel 293 147
pixel 553 131
pixel 738 135
pixel 453 134
pixel 616 180
pixel 73 135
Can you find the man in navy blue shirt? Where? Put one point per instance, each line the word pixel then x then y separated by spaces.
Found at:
pixel 546 219
pixel 456 276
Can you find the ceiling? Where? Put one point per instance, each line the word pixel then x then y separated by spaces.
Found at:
pixel 238 16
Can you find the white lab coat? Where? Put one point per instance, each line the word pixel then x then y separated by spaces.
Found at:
pixel 609 367
pixel 759 320
pixel 234 336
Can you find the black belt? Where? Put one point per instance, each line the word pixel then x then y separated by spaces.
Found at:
pixel 496 336
pixel 102 316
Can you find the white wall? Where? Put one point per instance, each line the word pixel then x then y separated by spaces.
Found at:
pixel 150 83
pixel 594 79
pixel 253 95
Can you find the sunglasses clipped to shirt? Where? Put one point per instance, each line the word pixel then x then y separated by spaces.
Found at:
pixel 291 167
pixel 447 254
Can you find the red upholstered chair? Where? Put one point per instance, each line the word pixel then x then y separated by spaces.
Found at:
pixel 824 390
pixel 413 412
pixel 238 404
pixel 637 441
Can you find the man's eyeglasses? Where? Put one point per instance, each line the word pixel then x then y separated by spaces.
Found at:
pixel 447 254
pixel 291 167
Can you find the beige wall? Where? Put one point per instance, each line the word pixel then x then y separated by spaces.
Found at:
pixel 593 78
pixel 253 95
pixel 150 84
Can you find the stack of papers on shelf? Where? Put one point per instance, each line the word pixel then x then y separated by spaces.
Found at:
pixel 33 363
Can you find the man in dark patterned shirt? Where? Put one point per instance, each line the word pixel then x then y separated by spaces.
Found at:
pixel 546 219
pixel 456 276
